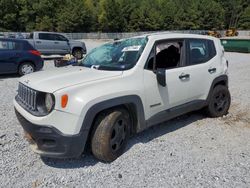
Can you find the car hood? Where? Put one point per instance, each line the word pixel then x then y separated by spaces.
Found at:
pixel 59 78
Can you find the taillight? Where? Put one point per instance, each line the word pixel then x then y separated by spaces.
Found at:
pixel 35 52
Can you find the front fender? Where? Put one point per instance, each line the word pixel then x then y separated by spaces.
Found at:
pixel 97 108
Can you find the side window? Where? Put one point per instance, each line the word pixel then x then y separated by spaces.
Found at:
pixel 3 45
pixel 200 51
pixel 168 54
pixel 7 45
pixel 60 38
pixel 11 45
pixel 45 36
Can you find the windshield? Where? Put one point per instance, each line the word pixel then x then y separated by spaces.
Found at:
pixel 118 55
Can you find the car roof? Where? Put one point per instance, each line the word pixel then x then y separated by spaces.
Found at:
pixel 13 40
pixel 168 35
pixel 172 35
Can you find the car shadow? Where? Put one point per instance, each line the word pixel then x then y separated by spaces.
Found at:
pixel 143 137
pixel 8 76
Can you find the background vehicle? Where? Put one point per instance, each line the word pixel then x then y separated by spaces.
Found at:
pixel 56 44
pixel 18 56
pixel 214 33
pixel 19 36
pixel 119 89
pixel 11 36
pixel 232 32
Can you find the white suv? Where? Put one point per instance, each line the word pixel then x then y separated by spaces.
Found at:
pixel 120 89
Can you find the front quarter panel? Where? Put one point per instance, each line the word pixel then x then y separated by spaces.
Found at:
pixel 82 98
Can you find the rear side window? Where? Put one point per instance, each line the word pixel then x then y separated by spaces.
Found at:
pixel 200 51
pixel 46 36
pixel 60 37
pixel 7 45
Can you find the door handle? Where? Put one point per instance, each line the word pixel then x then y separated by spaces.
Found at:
pixel 56 42
pixel 184 76
pixel 38 42
pixel 212 70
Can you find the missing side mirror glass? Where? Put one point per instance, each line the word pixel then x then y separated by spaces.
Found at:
pixel 161 76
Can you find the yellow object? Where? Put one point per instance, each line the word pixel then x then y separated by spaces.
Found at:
pixel 214 33
pixel 232 32
pixel 68 57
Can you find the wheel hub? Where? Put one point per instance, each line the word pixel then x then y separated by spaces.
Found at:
pixel 220 102
pixel 118 135
pixel 26 69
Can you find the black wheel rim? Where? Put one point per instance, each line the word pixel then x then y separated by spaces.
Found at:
pixel 78 54
pixel 118 135
pixel 221 101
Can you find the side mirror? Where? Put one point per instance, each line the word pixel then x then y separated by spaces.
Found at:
pixel 161 77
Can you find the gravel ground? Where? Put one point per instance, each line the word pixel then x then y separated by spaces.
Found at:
pixel 190 151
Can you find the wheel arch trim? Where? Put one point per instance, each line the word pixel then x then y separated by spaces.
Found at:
pixel 107 104
pixel 216 81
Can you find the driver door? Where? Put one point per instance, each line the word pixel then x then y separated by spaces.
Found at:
pixel 170 56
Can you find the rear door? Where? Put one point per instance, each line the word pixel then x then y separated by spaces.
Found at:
pixel 190 67
pixel 61 44
pixel 201 65
pixel 9 55
pixel 45 43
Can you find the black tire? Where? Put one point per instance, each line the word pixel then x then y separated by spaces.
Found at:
pixel 78 53
pixel 28 65
pixel 219 103
pixel 110 137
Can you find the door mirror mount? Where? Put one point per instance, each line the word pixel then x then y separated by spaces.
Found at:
pixel 161 77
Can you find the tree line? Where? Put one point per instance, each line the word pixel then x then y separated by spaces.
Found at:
pixel 122 15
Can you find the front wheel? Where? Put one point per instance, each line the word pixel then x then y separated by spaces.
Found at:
pixel 220 101
pixel 26 68
pixel 110 137
pixel 78 53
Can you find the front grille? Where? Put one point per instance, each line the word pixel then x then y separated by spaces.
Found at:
pixel 27 96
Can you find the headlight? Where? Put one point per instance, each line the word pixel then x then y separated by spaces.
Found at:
pixel 49 102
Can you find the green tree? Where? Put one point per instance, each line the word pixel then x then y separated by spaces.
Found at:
pixel 244 22
pixel 212 15
pixel 110 18
pixel 9 14
pixel 122 15
pixel 146 17
pixel 74 16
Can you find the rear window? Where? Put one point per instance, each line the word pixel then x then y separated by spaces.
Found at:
pixel 200 51
pixel 31 36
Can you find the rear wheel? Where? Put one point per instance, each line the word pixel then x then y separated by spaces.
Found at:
pixel 26 68
pixel 220 101
pixel 110 137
